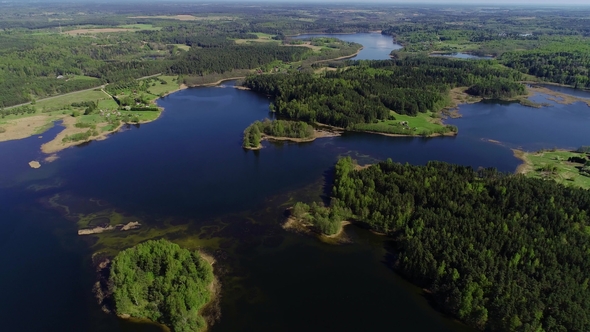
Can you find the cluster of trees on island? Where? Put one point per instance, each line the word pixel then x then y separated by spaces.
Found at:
pixel 367 91
pixel 501 252
pixel 163 282
pixel 277 128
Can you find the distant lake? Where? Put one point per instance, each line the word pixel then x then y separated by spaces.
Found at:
pixel 187 172
pixel 375 45
pixel 460 55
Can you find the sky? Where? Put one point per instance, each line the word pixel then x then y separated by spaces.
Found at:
pixel 469 2
pixel 490 3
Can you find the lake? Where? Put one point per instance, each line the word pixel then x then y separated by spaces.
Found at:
pixel 185 177
pixel 459 55
pixel 375 45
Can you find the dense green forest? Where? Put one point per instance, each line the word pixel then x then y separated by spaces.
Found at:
pixel 564 62
pixel 368 91
pixel 162 282
pixel 500 252
pixel 277 128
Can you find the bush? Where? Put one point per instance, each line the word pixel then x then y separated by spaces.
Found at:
pixel 85 125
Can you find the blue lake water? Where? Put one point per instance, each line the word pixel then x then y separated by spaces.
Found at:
pixel 568 91
pixel 375 45
pixel 189 167
pixel 459 55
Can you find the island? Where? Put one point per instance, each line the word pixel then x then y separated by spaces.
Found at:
pixel 488 247
pixel 282 130
pixel 162 282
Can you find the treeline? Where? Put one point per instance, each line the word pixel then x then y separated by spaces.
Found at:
pixel 499 88
pixel 202 61
pixel 162 282
pixel 368 90
pixel 21 110
pixel 500 252
pixel 277 128
pixel 566 62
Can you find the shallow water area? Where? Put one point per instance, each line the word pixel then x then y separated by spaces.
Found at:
pixel 567 90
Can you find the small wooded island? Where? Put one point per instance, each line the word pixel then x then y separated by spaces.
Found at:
pixel 162 282
pixel 501 252
pixel 297 131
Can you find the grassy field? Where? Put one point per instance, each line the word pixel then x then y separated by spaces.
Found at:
pixel 188 17
pixel 554 165
pixel 140 27
pixel 262 38
pixel 64 101
pixel 422 124
pixel 182 46
pixel 160 88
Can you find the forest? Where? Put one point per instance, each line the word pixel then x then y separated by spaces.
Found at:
pixel 499 251
pixel 162 282
pixel 367 91
pixel 41 57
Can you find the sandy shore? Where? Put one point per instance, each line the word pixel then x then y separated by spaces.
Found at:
pixel 526 165
pixel 295 225
pixel 57 144
pixel 25 127
pixel 450 134
pixel 216 82
pixel 316 134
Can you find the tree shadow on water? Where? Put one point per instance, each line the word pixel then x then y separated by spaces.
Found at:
pixel 328 176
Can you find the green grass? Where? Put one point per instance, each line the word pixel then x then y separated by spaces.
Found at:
pixel 140 27
pixel 62 102
pixel 421 124
pixel 564 172
pixel 84 78
pixel 164 88
pixel 182 46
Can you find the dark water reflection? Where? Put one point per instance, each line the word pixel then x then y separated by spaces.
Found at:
pixel 186 172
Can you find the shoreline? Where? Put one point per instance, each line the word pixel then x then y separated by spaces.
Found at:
pixel 526 165
pixel 447 134
pixel 210 312
pixel 292 224
pixel 342 57
pixel 565 98
pixel 56 145
pixel 317 134
pixel 342 130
